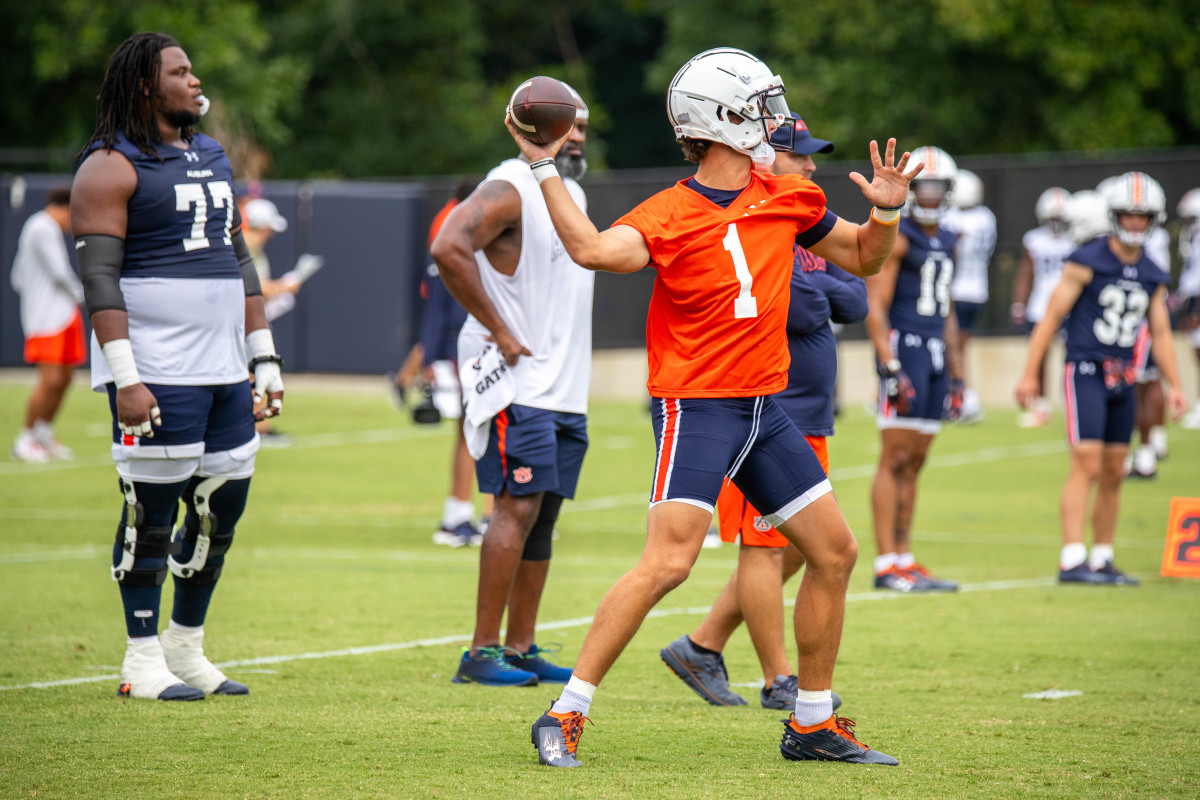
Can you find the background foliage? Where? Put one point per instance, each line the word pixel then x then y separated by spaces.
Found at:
pixel 385 88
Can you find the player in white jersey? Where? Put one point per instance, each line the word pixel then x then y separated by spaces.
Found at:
pixel 975 225
pixel 501 258
pixel 1189 282
pixel 1045 249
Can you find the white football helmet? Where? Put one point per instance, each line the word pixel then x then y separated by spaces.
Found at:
pixel 933 187
pixel 1086 213
pixel 723 80
pixel 968 189
pixel 1133 193
pixel 1189 209
pixel 1051 208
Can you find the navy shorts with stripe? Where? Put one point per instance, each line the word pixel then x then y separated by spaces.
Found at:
pixel 751 439
pixel 1093 411
pixel 221 416
pixel 923 359
pixel 533 450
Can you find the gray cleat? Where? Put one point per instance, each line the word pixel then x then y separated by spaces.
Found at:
pixel 704 673
pixel 556 737
pixel 833 740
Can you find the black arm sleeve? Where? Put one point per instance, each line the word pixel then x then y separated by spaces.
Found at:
pixel 100 258
pixel 245 260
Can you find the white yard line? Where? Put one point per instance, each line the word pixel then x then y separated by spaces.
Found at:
pixel 576 622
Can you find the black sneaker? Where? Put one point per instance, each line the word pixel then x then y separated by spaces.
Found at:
pixel 831 740
pixel 1078 574
pixel 704 672
pixel 1111 575
pixel 556 737
pixel 894 580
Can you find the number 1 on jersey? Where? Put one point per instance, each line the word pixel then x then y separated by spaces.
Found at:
pixel 745 306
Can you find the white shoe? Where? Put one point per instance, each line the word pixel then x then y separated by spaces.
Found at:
pixel 145 675
pixel 712 539
pixel 56 449
pixel 184 653
pixel 1191 420
pixel 1144 463
pixel 27 449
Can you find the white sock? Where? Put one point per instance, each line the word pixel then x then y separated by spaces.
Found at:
pixel 455 512
pixel 1101 554
pixel 1158 440
pixel 813 708
pixel 905 561
pixel 1072 556
pixel 576 696
pixel 884 562
pixel 184 628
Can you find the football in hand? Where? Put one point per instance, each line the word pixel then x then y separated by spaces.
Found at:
pixel 542 109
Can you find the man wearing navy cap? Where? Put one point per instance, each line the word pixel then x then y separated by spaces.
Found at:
pixel 821 292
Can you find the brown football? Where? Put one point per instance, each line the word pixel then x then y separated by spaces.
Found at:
pixel 542 109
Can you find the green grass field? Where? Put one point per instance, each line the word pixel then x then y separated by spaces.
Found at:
pixel 347 622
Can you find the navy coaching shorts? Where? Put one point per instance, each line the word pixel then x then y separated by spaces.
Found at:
pixel 533 450
pixel 750 439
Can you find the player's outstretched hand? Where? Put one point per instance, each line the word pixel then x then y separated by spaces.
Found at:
pixel 1176 404
pixel 268 386
pixel 531 149
pixel 889 185
pixel 137 411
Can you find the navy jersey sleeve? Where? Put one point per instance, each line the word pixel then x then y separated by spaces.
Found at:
pixel 818 231
pixel 847 294
pixel 443 319
pixel 808 307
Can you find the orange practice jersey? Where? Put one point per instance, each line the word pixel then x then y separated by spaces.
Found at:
pixel 717 320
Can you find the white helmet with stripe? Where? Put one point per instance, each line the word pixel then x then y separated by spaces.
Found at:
pixel 1189 208
pixel 929 193
pixel 1133 193
pixel 1052 205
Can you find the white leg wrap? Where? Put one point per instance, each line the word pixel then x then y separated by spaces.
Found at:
pixel 145 670
pixel 184 653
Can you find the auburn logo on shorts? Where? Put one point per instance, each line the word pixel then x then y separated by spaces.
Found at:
pixel 761 525
pixel 523 474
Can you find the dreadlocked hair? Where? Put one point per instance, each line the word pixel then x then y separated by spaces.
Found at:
pixel 134 66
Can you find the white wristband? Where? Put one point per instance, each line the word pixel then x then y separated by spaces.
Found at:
pixel 260 343
pixel 544 169
pixel 119 355
pixel 885 216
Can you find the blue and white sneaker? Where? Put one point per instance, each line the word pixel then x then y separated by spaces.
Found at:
pixel 488 666
pixel 1078 574
pixel 546 671
pixel 463 535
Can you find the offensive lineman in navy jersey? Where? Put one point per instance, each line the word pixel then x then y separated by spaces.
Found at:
pixel 1108 286
pixel 909 323
pixel 176 309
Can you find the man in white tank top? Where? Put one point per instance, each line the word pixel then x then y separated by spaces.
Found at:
pixel 501 258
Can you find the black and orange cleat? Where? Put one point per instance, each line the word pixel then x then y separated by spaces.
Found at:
pixel 556 736
pixel 924 581
pixel 831 740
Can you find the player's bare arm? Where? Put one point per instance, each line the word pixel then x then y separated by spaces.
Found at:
pixel 488 220
pixel 1162 348
pixel 1022 286
pixel 881 287
pixel 619 249
pixel 862 249
pixel 100 206
pixel 954 353
pixel 1075 277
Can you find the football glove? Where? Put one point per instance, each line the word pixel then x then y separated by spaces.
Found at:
pixel 897 387
pixel 954 399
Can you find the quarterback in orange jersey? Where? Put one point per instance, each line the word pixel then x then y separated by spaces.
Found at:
pixel 721 243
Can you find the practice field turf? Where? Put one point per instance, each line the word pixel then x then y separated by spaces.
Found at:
pixel 347 622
